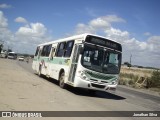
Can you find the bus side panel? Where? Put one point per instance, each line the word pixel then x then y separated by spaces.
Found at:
pixel 53 71
pixel 35 65
pixel 56 65
pixel 43 61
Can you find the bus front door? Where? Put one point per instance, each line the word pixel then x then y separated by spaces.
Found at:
pixel 74 62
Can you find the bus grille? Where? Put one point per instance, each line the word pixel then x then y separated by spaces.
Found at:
pixel 99 76
pixel 97 81
pixel 97 86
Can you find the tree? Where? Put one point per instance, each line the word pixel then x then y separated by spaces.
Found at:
pixel 155 79
pixel 9 50
pixel 128 64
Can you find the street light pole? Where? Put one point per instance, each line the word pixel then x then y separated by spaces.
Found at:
pixel 130 59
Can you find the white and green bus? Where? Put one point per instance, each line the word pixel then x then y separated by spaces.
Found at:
pixel 85 61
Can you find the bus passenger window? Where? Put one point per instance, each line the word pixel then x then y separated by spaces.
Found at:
pixel 43 51
pixel 46 50
pixel 69 47
pixel 61 49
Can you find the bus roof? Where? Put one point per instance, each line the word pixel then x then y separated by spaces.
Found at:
pixel 12 52
pixel 81 36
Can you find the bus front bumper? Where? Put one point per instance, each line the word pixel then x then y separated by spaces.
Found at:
pixel 81 83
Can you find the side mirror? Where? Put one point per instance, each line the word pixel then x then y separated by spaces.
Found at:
pixel 119 56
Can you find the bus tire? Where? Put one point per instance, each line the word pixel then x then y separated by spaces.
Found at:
pixel 61 81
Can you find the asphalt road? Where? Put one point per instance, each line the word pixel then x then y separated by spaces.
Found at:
pixel 21 89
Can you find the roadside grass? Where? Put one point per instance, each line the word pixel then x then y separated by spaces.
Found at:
pixel 134 77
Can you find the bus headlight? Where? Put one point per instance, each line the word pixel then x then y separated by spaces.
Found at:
pixel 82 75
pixel 114 82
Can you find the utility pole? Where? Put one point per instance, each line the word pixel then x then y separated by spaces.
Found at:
pixel 130 60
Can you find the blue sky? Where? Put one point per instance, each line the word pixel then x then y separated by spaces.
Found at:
pixel 134 21
pixel 141 15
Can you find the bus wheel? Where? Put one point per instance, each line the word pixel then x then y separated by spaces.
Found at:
pixel 39 71
pixel 61 81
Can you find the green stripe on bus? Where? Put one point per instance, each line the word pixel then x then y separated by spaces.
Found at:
pixel 61 61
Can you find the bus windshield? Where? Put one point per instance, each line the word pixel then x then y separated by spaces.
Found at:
pixel 101 59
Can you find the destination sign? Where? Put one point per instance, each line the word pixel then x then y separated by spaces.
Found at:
pixel 104 42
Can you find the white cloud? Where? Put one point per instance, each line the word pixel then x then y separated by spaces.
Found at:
pixel 145 53
pixel 6 36
pixel 4 6
pixel 26 38
pixel 4 31
pixel 98 24
pixel 151 54
pixel 154 42
pixel 117 34
pixel 82 28
pixel 29 36
pixel 34 30
pixel 3 20
pixel 20 20
pixel 143 45
pixel 113 18
pixel 147 34
pixel 104 22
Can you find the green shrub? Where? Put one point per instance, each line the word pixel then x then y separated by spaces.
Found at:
pixel 131 82
pixel 129 76
pixel 155 79
pixel 123 82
